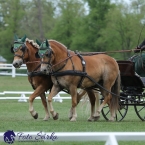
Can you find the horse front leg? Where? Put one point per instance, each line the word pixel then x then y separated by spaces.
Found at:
pixel 73 113
pixel 38 92
pixel 31 108
pixel 79 96
pixel 55 90
pixel 44 102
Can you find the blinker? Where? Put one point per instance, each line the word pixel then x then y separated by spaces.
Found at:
pixel 17 46
pixel 44 49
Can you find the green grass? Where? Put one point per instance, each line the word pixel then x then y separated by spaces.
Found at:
pixel 7 83
pixel 15 116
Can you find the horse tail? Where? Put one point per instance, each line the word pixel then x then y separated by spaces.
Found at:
pixel 114 104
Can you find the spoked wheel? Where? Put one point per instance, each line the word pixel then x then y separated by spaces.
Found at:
pixel 140 111
pixel 121 113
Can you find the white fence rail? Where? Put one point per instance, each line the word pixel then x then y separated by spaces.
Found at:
pixel 9 69
pixel 110 138
pixel 23 98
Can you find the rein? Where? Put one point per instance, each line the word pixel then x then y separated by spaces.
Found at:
pixel 32 62
pixel 106 52
pixel 64 60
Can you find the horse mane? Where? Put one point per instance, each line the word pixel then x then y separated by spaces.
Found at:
pixel 58 43
pixel 32 43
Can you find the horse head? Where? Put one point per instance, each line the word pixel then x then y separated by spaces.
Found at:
pixel 46 54
pixel 24 50
pixel 18 49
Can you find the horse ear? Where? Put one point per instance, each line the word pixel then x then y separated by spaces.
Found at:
pixel 15 37
pixel 23 39
pixel 47 44
pixel 38 42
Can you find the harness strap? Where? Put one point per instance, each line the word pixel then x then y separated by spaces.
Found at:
pixel 69 72
pixel 84 69
pixel 84 74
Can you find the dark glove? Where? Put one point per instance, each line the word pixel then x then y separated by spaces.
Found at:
pixel 143 48
pixel 137 49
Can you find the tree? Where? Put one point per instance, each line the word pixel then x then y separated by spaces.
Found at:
pixel 67 21
pixel 123 30
pixel 11 15
pixel 39 19
pixel 20 17
pixel 91 25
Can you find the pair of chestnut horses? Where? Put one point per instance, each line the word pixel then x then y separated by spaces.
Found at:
pixel 58 68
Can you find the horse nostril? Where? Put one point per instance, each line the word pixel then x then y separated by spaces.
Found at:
pixel 15 64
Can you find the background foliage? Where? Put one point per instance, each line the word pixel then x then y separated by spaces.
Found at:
pixel 84 25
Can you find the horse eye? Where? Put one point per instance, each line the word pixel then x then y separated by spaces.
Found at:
pixel 46 54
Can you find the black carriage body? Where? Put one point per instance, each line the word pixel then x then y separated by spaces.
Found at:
pixel 131 82
pixel 132 92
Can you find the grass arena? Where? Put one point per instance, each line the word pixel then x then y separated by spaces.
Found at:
pixel 15 116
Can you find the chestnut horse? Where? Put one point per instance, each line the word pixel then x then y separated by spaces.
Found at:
pixel 70 70
pixel 24 52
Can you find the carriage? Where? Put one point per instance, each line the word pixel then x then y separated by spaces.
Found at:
pixel 131 89
pixel 132 92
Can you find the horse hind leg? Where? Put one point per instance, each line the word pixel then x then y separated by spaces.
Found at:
pixel 96 115
pixel 92 99
pixel 114 102
pixel 106 100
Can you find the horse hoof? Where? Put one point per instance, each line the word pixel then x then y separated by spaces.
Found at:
pixel 96 118
pixel 35 116
pixel 90 120
pixel 70 118
pixel 111 120
pixel 73 120
pixel 56 116
pixel 46 118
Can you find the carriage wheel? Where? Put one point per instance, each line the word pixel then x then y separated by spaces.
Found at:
pixel 140 111
pixel 121 113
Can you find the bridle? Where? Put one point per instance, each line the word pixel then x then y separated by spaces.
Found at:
pixel 21 46
pixel 51 66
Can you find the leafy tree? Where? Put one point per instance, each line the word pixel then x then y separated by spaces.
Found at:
pixel 91 25
pixel 20 17
pixel 38 20
pixel 67 21
pixel 122 31
pixel 11 15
